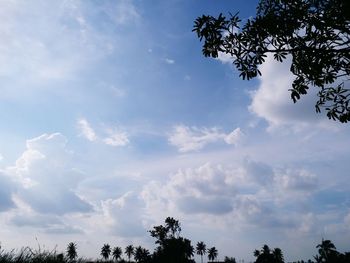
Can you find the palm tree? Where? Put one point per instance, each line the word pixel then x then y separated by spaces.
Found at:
pixel 72 251
pixel 117 253
pixel 173 226
pixel 201 249
pixel 141 254
pixel 212 253
pixel 106 251
pixel 189 250
pixel 129 251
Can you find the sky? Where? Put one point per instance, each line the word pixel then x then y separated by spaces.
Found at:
pixel 113 120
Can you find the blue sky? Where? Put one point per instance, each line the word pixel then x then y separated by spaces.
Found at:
pixel 113 120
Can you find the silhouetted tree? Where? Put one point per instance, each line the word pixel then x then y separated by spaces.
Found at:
pixel 171 246
pixel 278 255
pixel 229 260
pixel 314 34
pixel 129 251
pixel 265 255
pixel 173 226
pixel 106 251
pixel 72 251
pixel 326 250
pixel 327 253
pixel 212 253
pixel 201 249
pixel 117 253
pixel 141 255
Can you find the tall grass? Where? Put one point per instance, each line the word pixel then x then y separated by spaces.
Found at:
pixel 27 255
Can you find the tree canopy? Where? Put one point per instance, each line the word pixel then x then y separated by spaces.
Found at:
pixel 315 34
pixel 171 246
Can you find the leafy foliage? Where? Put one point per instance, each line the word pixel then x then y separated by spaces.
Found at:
pixel 328 253
pixel 171 246
pixel 315 34
pixel 266 255
pixel 142 255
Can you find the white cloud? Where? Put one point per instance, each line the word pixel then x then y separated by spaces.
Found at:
pixel 61 41
pixel 272 101
pixel 299 180
pixel 47 179
pixel 86 130
pixel 7 188
pixel 124 215
pixel 122 12
pixel 208 189
pixel 225 58
pixel 188 139
pixel 116 138
pixel 234 137
pixel 169 61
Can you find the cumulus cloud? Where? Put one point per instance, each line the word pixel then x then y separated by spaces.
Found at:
pixel 207 189
pixel 259 172
pixel 124 215
pixel 47 178
pixel 188 139
pixel 272 101
pixel 299 180
pixel 7 188
pixel 254 193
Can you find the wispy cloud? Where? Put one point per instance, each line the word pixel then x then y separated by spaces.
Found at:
pixel 122 12
pixel 115 136
pixel 86 130
pixel 169 61
pixel 188 139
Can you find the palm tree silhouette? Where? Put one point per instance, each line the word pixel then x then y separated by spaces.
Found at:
pixel 201 249
pixel 173 226
pixel 189 250
pixel 141 254
pixel 72 251
pixel 117 253
pixel 129 251
pixel 106 251
pixel 212 253
pixel 265 255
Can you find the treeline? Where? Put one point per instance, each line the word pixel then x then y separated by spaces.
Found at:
pixel 171 247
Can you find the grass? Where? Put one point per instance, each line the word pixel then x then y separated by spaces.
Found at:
pixel 27 255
